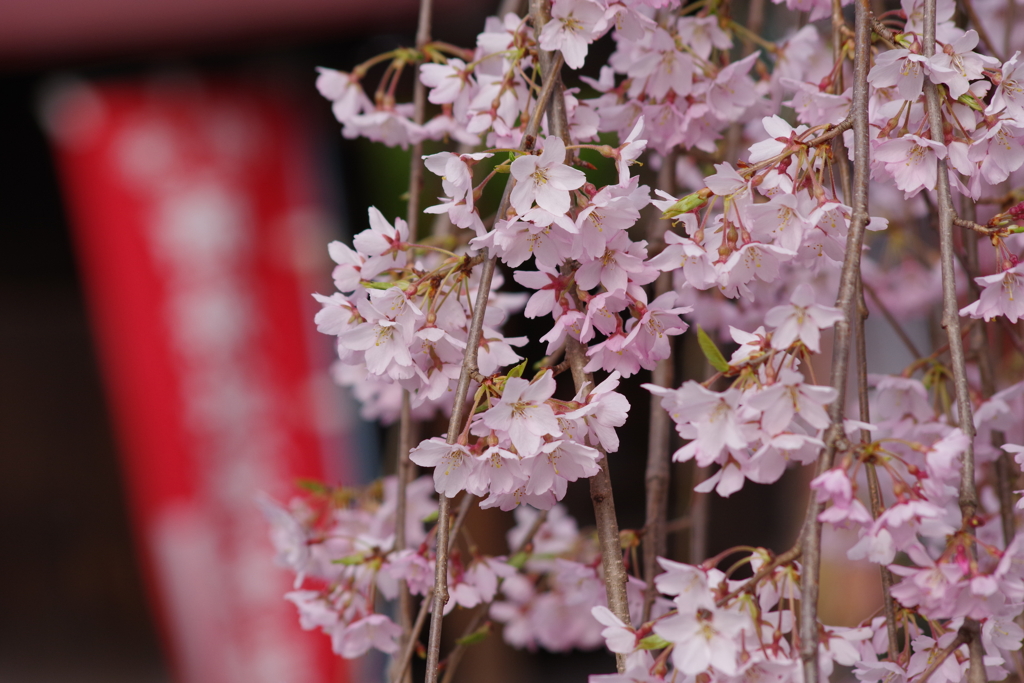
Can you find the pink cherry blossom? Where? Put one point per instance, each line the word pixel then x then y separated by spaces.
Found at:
pixel 523 413
pixel 452 463
pixel 1001 294
pixel 801 320
pixel 545 179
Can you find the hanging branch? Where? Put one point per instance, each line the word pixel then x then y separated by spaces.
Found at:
pixel 981 347
pixel 657 474
pixel 601 483
pixel 874 490
pixel 835 438
pixel 604 509
pixel 455 656
pixel 951 323
pixel 469 370
pixel 406 437
pixel 403 473
pixel 402 664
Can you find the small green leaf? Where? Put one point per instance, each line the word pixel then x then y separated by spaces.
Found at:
pixel 971 101
pixel 517 371
pixel 711 351
pixel 690 202
pixel 432 517
pixel 312 485
pixel 654 642
pixel 350 560
pixel 476 636
pixel 1017 229
pixel 518 560
pixel 401 284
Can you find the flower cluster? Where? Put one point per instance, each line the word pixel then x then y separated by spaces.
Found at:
pixel 527 446
pixel 770 416
pixel 752 255
pixel 340 545
pixel 401 317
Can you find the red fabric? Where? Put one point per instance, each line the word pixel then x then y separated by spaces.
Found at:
pixel 191 208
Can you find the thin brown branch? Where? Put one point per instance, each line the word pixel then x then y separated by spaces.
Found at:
pixel 986 230
pixel 790 555
pixel 893 322
pixel 951 323
pixel 699 509
pixel 950 309
pixel 455 656
pixel 403 467
pixel 403 473
pixel 934 664
pixel 657 473
pixel 401 666
pixel 469 367
pixel 874 491
pixel 846 302
pixel 600 484
pixel 981 347
pixel 419 100
pixel 604 511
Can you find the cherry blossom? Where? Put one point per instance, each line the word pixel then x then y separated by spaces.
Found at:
pixel 545 179
pixel 1000 295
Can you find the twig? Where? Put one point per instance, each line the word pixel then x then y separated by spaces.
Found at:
pixel 678 524
pixel 846 302
pixel 403 467
pixel 469 367
pixel 657 473
pixel 978 227
pixel 601 483
pixel 402 664
pixel 891 319
pixel 455 656
pixel 951 323
pixel 699 503
pixel 604 512
pixel 403 472
pixel 943 656
pixel 874 491
pixel 982 349
pixel 950 309
pixel 785 558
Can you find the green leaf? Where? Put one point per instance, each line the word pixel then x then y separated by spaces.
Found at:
pixel 654 642
pixel 971 101
pixel 476 636
pixel 432 517
pixel 312 485
pixel 690 202
pixel 350 560
pixel 517 371
pixel 711 351
pixel 518 560
pixel 401 284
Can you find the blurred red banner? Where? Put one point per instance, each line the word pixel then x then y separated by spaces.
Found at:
pixel 193 213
